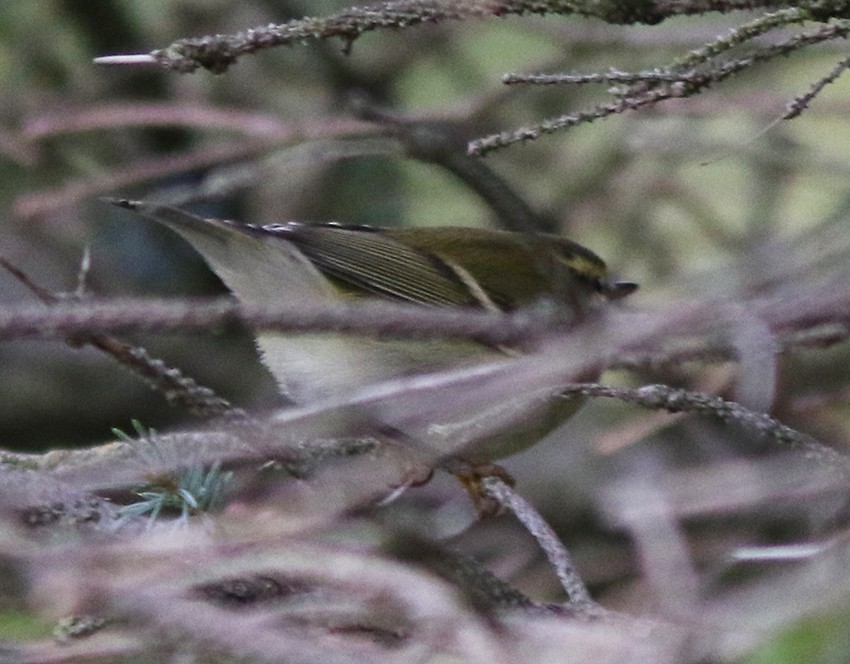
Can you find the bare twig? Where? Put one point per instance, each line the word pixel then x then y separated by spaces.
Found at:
pixel 554 549
pixel 157 316
pixel 678 400
pixel 653 87
pixel 264 137
pixel 443 143
pixel 801 103
pixel 177 388
pixel 217 53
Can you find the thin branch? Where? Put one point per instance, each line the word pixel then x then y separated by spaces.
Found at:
pixel 655 88
pixel 677 400
pixel 801 103
pixel 217 53
pixel 740 35
pixel 736 37
pixel 46 201
pixel 175 386
pixel 159 316
pixel 122 116
pixel 443 143
pixel 483 146
pixel 802 322
pixel 554 549
pixel 639 504
pixel 611 76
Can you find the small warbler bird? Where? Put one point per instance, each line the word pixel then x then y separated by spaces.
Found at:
pixel 440 267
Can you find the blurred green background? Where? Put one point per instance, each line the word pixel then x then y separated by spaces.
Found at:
pixel 691 199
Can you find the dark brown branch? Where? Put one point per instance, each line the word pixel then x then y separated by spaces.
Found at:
pixel 443 143
pixel 177 388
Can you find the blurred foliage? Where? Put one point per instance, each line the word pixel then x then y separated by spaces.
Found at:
pixel 690 198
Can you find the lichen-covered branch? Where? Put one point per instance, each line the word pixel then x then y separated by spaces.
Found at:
pixel 677 400
pixel 216 53
pixel 686 78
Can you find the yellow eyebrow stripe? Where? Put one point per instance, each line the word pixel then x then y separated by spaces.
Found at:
pixel 590 269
